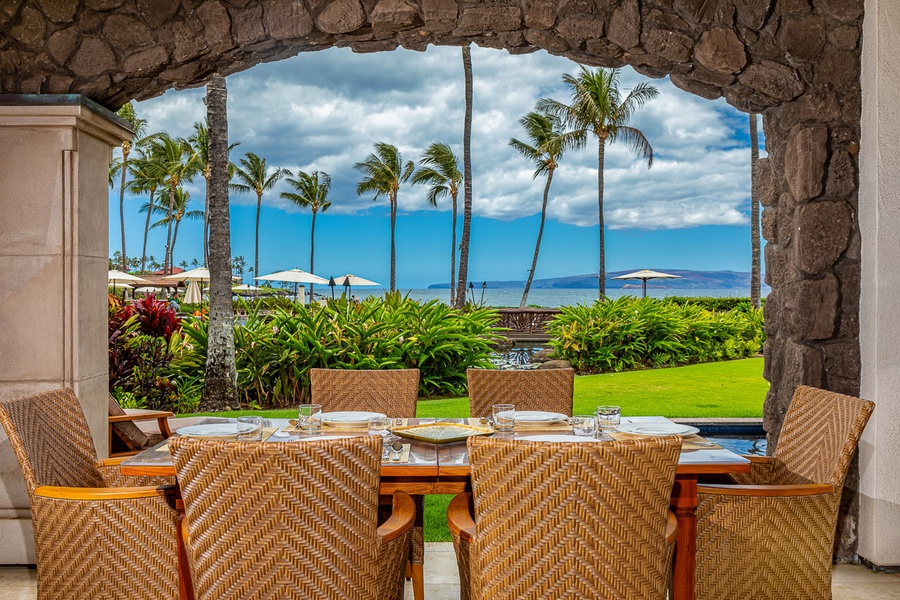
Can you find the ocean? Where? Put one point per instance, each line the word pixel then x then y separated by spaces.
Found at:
pixel 552 298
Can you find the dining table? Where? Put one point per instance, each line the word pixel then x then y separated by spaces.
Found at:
pixel 443 468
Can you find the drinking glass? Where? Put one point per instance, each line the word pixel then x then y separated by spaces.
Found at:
pixel 504 417
pixel 310 418
pixel 608 418
pixel 249 429
pixel 379 426
pixel 585 425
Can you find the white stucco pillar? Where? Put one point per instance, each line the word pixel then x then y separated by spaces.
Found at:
pixel 55 153
pixel 879 208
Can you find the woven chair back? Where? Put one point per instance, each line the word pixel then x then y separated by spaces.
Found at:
pixel 539 389
pixel 51 440
pixel 571 520
pixel 393 392
pixel 281 520
pixel 820 434
pixel 130 433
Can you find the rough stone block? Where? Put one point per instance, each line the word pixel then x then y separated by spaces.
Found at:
pixel 546 40
pixel 625 25
pixel 93 56
pixel 838 69
pixel 146 60
pixel 341 16
pixel 216 25
pixel 62 44
pixel 812 106
pixel 59 11
pixel 804 162
pixel 804 38
pixel 843 10
pixel 765 180
pixel 841 180
pixel 288 19
pixel 493 18
pixel 823 231
pixel 689 84
pixel 30 28
pixel 574 29
pixel 810 308
pixel 440 15
pixel 125 33
pixel 394 15
pixel 540 14
pixel 775 80
pixel 721 50
pixel 670 45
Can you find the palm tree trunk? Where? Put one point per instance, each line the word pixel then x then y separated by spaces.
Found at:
pixel 393 249
pixel 220 383
pixel 256 250
pixel 147 230
pixel 125 152
pixel 312 251
pixel 167 261
pixel 467 179
pixel 206 224
pixel 754 216
pixel 453 255
pixel 601 285
pixel 174 238
pixel 537 245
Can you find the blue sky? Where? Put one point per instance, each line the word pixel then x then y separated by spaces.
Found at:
pixel 326 110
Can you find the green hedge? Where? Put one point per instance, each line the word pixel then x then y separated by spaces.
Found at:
pixel 715 304
pixel 275 352
pixel 630 333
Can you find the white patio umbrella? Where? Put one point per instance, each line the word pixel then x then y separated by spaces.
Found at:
pixel 294 276
pixel 350 279
pixel 644 275
pixel 115 277
pixel 192 293
pixel 199 274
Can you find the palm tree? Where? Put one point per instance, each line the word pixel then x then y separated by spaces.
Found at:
pixel 182 199
pixel 548 142
pixel 383 172
pixel 754 215
pixel 145 179
pixel 138 127
pixel 597 107
pixel 200 145
pixel 174 161
pixel 220 381
pixel 254 176
pixel 439 168
pixel 312 193
pixel 467 182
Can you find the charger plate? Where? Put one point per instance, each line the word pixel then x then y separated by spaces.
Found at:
pixel 440 433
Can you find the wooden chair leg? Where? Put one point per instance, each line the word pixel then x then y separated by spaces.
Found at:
pixel 418 581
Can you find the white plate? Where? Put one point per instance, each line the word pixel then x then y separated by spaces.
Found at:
pixel 215 430
pixel 539 416
pixel 349 417
pixel 657 429
pixel 316 438
pixel 557 438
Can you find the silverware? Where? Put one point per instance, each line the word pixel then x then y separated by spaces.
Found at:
pixel 384 453
pixel 397 448
pixel 399 421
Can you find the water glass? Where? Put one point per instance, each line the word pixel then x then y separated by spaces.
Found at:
pixel 608 418
pixel 249 429
pixel 584 425
pixel 310 418
pixel 504 417
pixel 379 426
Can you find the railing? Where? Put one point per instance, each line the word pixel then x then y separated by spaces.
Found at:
pixel 526 323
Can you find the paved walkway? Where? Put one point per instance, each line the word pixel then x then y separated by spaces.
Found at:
pixel 851 582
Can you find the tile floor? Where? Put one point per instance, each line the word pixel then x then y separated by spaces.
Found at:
pixel 850 582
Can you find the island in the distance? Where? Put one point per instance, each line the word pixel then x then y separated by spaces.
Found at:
pixel 687 280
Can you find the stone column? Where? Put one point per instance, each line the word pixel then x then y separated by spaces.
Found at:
pixel 879 208
pixel 54 162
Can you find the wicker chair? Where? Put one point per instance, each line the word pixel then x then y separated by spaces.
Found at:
pixel 290 520
pixel 540 389
pixel 772 536
pixel 393 392
pixel 92 540
pixel 134 430
pixel 558 520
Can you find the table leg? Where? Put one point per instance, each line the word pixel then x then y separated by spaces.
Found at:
pixel 684 505
pixel 185 585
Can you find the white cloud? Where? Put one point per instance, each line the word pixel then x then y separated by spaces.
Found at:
pixel 325 111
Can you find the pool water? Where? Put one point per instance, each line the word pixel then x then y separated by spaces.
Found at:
pixel 741 444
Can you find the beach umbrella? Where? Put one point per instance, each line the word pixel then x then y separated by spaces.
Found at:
pixel 192 294
pixel 199 274
pixel 350 279
pixel 294 276
pixel 115 277
pixel 644 275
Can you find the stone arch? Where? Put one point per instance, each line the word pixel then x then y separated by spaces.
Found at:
pixel 796 61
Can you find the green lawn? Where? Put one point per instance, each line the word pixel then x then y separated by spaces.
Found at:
pixel 721 389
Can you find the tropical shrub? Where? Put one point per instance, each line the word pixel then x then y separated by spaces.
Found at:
pixel 143 338
pixel 274 352
pixel 715 304
pixel 630 333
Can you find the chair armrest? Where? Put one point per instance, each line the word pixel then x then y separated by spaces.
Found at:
pixel 757 459
pixel 161 416
pixel 671 528
pixel 401 520
pixel 804 489
pixel 122 493
pixel 459 517
pixel 113 462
